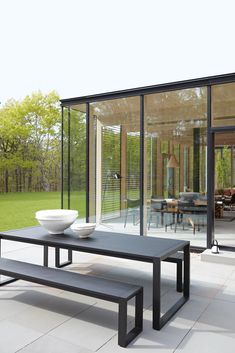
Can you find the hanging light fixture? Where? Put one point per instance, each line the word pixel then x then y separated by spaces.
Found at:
pixel 172 163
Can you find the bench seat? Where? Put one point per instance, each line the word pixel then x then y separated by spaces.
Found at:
pixel 101 288
pixel 176 258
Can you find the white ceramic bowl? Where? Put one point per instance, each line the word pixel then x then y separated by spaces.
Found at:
pixel 56 214
pixel 83 230
pixel 56 221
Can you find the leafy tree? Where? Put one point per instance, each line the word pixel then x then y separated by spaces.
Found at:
pixel 30 143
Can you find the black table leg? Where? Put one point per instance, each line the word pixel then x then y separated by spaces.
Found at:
pixel 186 288
pixel 156 294
pixel 57 258
pixel 158 320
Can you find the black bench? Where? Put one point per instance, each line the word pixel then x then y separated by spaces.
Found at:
pixel 114 291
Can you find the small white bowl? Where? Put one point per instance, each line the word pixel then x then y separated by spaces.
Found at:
pixel 56 221
pixel 83 230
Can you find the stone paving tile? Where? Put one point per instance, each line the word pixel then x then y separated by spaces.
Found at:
pixel 212 269
pixel 49 344
pixel 14 336
pixel 232 276
pixel 206 285
pixel 49 313
pixel 227 292
pixel 215 330
pixel 9 306
pixel 91 328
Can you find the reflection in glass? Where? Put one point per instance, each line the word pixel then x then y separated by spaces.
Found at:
pixel 74 159
pixel 225 188
pixel 78 159
pixel 175 177
pixel 114 183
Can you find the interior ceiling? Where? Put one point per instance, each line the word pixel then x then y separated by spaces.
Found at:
pixel 173 113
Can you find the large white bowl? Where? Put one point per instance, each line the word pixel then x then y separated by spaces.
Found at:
pixel 83 230
pixel 56 214
pixel 56 221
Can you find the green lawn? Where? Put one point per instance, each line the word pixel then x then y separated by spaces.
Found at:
pixel 17 210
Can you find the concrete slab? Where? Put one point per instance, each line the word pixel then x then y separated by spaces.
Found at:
pixel 223 257
pixel 49 344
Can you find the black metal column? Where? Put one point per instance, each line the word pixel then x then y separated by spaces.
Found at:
pixel 87 161
pixel 210 173
pixel 62 158
pixel 142 221
pixel 69 158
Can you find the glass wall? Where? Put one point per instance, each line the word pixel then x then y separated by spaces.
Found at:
pixel 175 164
pixel 114 169
pixel 74 165
pixel 223 114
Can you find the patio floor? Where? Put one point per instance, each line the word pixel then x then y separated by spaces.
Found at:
pixel 36 318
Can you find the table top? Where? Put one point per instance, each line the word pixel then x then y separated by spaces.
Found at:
pixel 143 248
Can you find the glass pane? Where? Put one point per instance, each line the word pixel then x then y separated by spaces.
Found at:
pixel 175 176
pixel 115 164
pixel 225 188
pixel 78 159
pixel 223 105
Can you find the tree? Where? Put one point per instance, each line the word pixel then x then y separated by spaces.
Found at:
pixel 30 143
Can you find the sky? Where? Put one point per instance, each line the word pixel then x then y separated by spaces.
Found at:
pixel 82 47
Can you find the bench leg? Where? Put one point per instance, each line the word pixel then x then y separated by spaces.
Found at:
pixel 125 338
pixel 179 282
pixel 57 258
pixel 45 255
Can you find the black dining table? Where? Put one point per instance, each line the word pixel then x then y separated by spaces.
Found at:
pixel 121 245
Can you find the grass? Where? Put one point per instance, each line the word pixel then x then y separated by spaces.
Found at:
pixel 17 210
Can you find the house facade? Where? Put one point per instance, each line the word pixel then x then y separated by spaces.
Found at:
pixel 156 160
